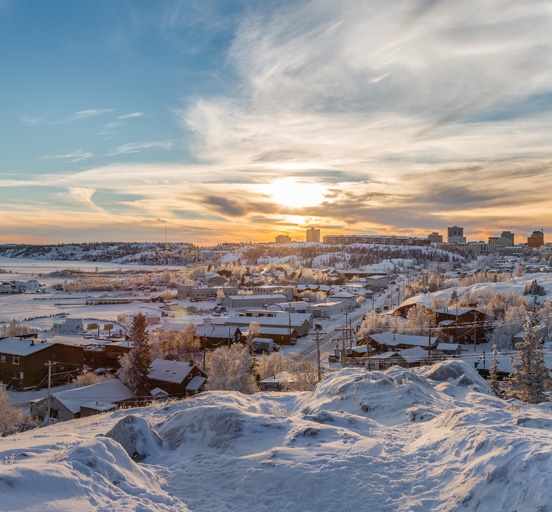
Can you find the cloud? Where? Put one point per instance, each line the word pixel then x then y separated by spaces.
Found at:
pixel 136 147
pixel 84 195
pixel 31 121
pixel 84 114
pixel 75 156
pixel 129 116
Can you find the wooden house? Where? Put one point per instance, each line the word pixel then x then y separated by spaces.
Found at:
pixel 177 378
pixel 23 361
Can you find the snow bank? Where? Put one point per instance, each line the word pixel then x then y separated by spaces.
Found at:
pixel 400 440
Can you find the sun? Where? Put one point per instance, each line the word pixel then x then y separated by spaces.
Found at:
pixel 298 194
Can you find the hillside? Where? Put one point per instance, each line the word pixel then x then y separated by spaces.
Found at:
pixel 401 440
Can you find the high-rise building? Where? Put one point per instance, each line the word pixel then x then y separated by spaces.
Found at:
pixel 536 239
pixel 283 239
pixel 313 235
pixel 456 235
pixel 508 235
pixel 435 238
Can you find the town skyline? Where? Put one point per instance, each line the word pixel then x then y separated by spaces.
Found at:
pixel 209 122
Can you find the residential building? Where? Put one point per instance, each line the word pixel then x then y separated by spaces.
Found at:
pixel 456 235
pixel 85 401
pixel 536 239
pixel 435 238
pixel 23 361
pixel 509 236
pixel 283 239
pixel 313 235
pixel 177 378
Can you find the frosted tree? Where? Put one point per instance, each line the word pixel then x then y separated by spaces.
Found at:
pixel 136 364
pixel 530 375
pixel 270 364
pixel 229 369
pixel 373 323
pixel 493 373
pixel 10 416
pixel 304 372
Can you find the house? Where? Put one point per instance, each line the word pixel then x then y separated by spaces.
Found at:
pixel 292 321
pixel 461 325
pixel 176 377
pixel 218 335
pixel 69 326
pixel 449 349
pixel 23 361
pixel 86 401
pixel 385 360
pixel 329 309
pixel 273 289
pixel 283 381
pixel 280 335
pixel 252 301
pixel 415 356
pixel 263 345
pixel 389 341
pixel 347 298
pixel 7 287
pixel 195 293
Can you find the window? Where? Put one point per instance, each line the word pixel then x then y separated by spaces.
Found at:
pixel 2 358
pixel 16 360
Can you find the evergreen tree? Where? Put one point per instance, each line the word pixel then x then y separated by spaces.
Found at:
pixel 530 375
pixel 136 364
pixel 493 373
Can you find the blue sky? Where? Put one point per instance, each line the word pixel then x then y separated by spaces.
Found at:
pixel 237 121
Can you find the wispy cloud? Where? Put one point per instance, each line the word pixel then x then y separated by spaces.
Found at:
pixel 84 114
pixel 136 147
pixel 84 195
pixel 31 121
pixel 129 116
pixel 74 156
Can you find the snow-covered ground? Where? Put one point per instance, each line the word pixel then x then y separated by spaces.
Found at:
pixel 401 440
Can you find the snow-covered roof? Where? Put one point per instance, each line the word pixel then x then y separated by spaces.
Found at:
pixel 21 347
pixel 414 355
pixel 109 391
pixel 458 311
pixel 216 331
pixel 169 371
pixel 394 340
pixel 196 383
pixel 448 346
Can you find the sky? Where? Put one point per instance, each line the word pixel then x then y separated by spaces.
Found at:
pixel 210 121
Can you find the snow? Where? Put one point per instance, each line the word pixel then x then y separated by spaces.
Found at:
pixel 432 438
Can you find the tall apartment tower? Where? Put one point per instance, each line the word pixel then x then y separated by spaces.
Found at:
pixel 313 235
pixel 435 238
pixel 456 235
pixel 536 239
pixel 283 239
pixel 508 235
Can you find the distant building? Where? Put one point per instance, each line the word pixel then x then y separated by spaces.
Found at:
pixel 283 239
pixel 508 235
pixel 456 235
pixel 435 238
pixel 313 235
pixel 536 239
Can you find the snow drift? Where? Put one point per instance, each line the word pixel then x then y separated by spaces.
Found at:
pixel 433 438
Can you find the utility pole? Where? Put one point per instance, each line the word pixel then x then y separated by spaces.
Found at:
pixel 49 364
pixel 203 339
pixel 317 332
pixel 474 330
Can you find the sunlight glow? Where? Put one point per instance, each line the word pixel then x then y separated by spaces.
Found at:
pixel 292 193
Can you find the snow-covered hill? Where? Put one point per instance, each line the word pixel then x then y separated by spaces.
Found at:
pixel 401 440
